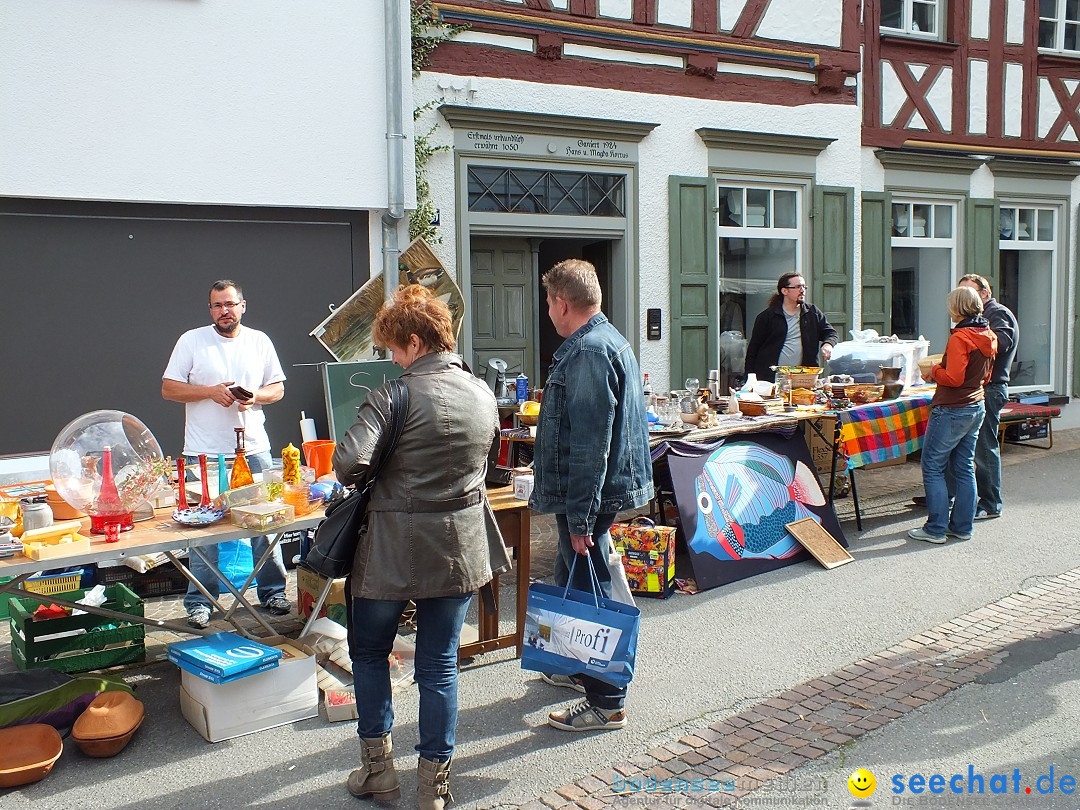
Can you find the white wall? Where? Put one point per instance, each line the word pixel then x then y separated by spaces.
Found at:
pixel 216 101
pixel 673 148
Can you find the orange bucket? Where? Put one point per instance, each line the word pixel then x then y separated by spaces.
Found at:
pixel 319 456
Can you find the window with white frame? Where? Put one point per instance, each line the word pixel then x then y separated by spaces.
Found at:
pixel 1059 25
pixel 923 268
pixel 760 229
pixel 913 17
pixel 1028 238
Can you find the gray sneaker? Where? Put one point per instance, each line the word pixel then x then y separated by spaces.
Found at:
pixel 568 681
pixel 584 716
pixel 921 534
pixel 199 617
pixel 957 535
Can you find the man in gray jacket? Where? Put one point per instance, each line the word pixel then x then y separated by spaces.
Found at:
pixel 987 449
pixel 591 458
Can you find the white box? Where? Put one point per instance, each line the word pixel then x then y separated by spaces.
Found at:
pixel 287 693
pixel 861 359
pixel 523 486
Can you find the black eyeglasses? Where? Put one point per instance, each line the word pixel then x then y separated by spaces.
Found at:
pixel 796 287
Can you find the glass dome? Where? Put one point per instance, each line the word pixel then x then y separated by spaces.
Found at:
pixel 106 463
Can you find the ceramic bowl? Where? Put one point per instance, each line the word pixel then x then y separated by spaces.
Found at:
pixel 28 753
pixel 690 418
pixel 197 516
pixel 108 723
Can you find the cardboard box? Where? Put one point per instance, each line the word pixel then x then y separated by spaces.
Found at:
pixel 821 448
pixel 523 486
pixel 285 694
pixel 308 587
pixel 1028 430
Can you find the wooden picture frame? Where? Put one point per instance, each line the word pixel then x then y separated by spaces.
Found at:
pixel 817 540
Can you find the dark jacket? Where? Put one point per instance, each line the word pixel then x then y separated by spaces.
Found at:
pixel 1007 330
pixel 965 366
pixel 770 332
pixel 592 440
pixel 420 543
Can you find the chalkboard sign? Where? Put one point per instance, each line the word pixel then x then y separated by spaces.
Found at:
pixel 346 385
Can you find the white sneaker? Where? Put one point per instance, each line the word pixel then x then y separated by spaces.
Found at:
pixel 921 534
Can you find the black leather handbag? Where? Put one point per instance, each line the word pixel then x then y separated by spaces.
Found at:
pixel 332 551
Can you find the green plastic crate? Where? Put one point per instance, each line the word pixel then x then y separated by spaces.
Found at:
pixel 97 648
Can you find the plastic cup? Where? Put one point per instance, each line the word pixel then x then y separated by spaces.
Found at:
pixel 319 455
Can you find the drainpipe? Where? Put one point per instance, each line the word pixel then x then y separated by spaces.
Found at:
pixel 395 147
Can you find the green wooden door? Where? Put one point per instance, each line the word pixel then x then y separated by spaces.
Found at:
pixel 692 254
pixel 503 309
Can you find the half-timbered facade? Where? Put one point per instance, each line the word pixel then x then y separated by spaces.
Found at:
pixel 970 133
pixel 692 149
pixel 696 149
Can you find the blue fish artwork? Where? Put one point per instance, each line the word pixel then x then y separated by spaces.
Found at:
pixel 746 494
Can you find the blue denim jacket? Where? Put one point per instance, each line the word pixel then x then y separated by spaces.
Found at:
pixel 592 440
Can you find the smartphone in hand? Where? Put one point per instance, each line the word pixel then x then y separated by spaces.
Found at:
pixel 241 393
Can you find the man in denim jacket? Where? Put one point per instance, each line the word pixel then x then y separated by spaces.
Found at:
pixel 591 458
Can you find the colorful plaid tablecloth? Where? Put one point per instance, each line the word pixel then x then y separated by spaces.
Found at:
pixel 882 431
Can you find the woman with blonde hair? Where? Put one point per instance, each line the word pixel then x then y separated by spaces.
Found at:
pixel 955 418
pixel 431 538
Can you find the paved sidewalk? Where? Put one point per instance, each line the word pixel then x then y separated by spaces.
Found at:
pixel 715 765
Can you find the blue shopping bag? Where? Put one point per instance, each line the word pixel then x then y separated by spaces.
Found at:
pixel 569 632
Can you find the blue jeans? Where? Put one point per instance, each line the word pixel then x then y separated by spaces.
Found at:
pixel 373 626
pixel 600 693
pixel 949 444
pixel 270 578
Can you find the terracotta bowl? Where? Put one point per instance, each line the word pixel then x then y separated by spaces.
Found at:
pixel 107 725
pixel 28 753
pixel 108 747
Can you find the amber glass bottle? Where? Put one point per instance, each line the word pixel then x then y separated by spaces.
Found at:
pixel 241 472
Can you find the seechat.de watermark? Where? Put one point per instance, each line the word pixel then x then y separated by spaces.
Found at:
pixel 916 788
pixel 784 791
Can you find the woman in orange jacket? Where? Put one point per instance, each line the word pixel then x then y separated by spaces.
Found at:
pixel 955 418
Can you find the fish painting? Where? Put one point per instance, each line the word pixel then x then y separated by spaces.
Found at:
pixel 746 494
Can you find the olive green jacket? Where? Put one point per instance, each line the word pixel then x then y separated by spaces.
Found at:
pixel 431 531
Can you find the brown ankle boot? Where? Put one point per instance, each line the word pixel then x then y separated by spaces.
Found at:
pixel 376 777
pixel 433 784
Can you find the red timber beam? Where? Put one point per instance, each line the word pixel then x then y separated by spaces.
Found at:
pixel 700 49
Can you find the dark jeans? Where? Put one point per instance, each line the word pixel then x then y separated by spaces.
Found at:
pixel 600 693
pixel 373 626
pixel 987 453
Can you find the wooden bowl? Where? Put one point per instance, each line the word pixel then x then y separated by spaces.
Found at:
pixel 527 420
pixel 28 753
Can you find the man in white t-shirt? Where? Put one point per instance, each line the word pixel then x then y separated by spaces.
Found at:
pixel 205 364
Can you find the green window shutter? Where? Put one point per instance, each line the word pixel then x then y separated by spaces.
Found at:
pixel 876 275
pixel 1076 321
pixel 695 305
pixel 981 251
pixel 834 254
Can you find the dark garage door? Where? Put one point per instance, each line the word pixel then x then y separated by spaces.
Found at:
pixel 95 296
